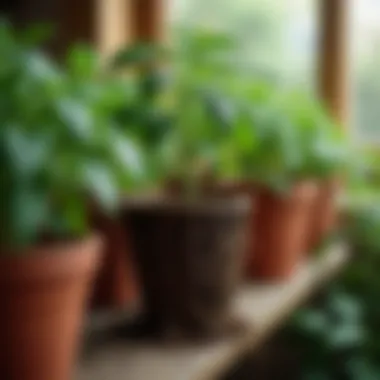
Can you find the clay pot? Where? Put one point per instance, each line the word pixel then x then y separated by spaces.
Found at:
pixel 116 285
pixel 324 215
pixel 189 256
pixel 280 231
pixel 42 297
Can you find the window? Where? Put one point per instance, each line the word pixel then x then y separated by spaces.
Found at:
pixel 365 51
pixel 278 39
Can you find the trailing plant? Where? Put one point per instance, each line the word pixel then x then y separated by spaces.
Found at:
pixel 57 144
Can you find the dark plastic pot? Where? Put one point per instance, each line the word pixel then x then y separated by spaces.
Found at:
pixel 280 232
pixel 43 293
pixel 189 256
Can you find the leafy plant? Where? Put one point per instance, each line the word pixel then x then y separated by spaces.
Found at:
pixel 217 122
pixel 58 146
pixel 146 113
pixel 284 136
pixel 322 140
pixel 181 115
pixel 141 64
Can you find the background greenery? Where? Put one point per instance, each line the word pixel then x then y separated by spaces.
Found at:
pixel 279 42
pixel 338 337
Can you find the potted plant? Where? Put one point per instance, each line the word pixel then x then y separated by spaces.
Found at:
pixel 287 146
pixel 326 155
pixel 55 150
pixel 133 88
pixel 188 242
pixel 273 163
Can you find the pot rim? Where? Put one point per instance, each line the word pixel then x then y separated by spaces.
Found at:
pixel 58 247
pixel 201 205
pixel 299 190
pixel 58 260
pixel 50 262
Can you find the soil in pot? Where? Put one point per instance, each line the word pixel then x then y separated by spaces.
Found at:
pixel 324 215
pixel 280 232
pixel 116 284
pixel 189 256
pixel 43 294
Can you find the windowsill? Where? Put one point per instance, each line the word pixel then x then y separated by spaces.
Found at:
pixel 263 307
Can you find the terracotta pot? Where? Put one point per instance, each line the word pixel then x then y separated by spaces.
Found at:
pixel 189 256
pixel 280 232
pixel 42 297
pixel 324 215
pixel 116 285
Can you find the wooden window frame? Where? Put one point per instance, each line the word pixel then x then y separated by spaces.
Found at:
pixel 333 58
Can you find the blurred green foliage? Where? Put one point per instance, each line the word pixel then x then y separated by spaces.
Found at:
pixel 148 116
pixel 209 119
pixel 278 41
pixel 152 114
pixel 181 114
pixel 288 136
pixel 339 337
pixel 331 339
pixel 263 29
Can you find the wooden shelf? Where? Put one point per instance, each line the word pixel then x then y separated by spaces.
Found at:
pixel 263 307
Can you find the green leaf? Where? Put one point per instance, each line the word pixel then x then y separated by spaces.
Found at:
pixel 77 117
pixel 137 55
pixel 346 336
pixel 28 151
pixel 74 216
pixel 312 321
pixel 101 184
pixel 30 213
pixel 40 68
pixel 345 307
pixel 128 156
pixel 82 62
